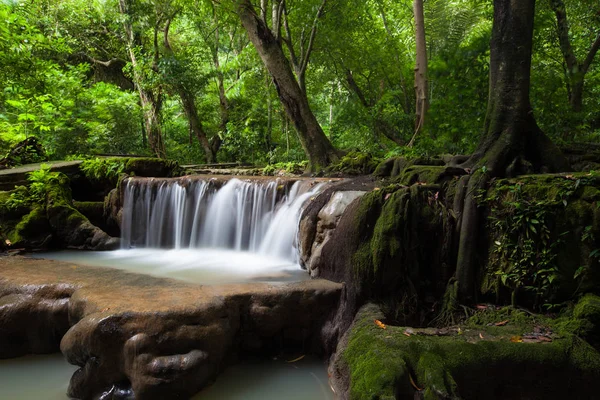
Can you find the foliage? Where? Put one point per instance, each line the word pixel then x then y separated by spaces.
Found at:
pixel 525 245
pixel 69 80
pixel 35 192
pixel 295 168
pixel 101 169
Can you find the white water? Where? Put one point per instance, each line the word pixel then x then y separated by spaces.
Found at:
pixel 241 215
pixel 203 266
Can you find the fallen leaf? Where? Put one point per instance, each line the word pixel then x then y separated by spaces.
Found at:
pixel 480 336
pixel 8 242
pixel 387 196
pixel 516 339
pixel 380 324
pixel 412 382
pixel 406 333
pixel 296 359
pixel 502 323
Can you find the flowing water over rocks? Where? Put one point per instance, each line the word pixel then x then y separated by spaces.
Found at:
pixel 258 216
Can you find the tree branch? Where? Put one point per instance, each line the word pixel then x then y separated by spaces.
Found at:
pixel 288 41
pixel 354 87
pixel 263 11
pixel 591 54
pixel 562 29
pixel 311 40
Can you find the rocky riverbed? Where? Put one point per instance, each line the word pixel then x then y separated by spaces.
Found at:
pixel 154 338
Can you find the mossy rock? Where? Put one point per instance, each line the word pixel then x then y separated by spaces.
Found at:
pixel 71 228
pixel 566 214
pixel 587 311
pixel 33 230
pixel 404 249
pixel 353 163
pixel 152 167
pixel 393 167
pixel 465 363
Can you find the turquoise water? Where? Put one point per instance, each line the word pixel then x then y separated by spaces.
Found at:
pixel 46 377
pixel 35 377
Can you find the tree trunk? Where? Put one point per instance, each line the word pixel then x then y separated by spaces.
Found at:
pixel 576 95
pixel 188 103
pixel 421 83
pixel 512 143
pixel 152 109
pixel 151 103
pixel 575 69
pixel 189 107
pixel 317 147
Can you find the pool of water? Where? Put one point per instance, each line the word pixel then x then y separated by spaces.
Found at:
pixel 35 377
pixel 204 266
pixel 47 378
pixel 271 380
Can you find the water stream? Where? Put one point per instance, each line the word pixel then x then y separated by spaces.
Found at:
pixel 255 216
pixel 200 232
pixel 46 377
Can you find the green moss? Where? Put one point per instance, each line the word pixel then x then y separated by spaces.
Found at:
pixel 462 363
pixel 32 230
pixel 146 166
pixel 535 234
pixel 421 173
pixel 354 163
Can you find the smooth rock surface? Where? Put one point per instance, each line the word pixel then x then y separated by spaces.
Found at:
pixel 155 337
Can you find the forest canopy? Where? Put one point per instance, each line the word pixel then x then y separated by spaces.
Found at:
pixel 187 80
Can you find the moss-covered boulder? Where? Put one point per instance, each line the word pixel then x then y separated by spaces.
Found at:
pixel 33 231
pixel 71 228
pixel 353 163
pixel 375 361
pixel 541 238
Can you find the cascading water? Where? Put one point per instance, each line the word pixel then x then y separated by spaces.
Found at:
pixel 255 216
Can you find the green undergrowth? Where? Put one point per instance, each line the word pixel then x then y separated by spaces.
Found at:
pixel 293 168
pixel 109 169
pixel 470 361
pixel 542 233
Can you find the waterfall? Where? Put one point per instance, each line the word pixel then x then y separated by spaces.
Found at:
pixel 258 216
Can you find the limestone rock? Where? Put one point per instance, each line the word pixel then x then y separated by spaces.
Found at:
pixel 328 218
pixel 137 336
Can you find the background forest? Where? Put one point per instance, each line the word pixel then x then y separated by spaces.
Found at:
pixel 180 78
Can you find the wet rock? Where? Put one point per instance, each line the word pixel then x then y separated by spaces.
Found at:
pixel 327 221
pixel 33 318
pixel 153 338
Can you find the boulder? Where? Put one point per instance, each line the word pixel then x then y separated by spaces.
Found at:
pixel 154 338
pixel 375 360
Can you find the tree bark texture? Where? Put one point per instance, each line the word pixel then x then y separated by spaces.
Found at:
pixel 421 82
pixel 151 103
pixel 317 147
pixel 512 143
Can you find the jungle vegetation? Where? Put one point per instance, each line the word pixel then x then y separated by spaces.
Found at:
pixel 267 81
